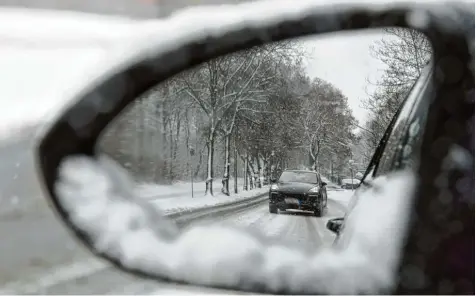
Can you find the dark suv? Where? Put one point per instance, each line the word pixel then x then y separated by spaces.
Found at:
pixel 298 190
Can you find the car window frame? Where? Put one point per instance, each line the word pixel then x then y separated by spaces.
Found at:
pixel 417 102
pixel 372 171
pixel 420 97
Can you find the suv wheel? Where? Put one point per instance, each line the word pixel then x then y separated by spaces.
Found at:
pixel 319 211
pixel 273 209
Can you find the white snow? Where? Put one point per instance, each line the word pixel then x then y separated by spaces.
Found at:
pixel 351 181
pixel 95 192
pixel 342 196
pixel 56 74
pixel 178 197
pixel 79 40
pixel 181 189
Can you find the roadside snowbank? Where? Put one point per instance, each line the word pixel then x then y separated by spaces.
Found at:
pixel 181 189
pixel 183 204
pixel 178 198
pixel 341 196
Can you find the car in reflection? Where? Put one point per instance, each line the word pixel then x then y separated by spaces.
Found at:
pixel 350 183
pixel 298 190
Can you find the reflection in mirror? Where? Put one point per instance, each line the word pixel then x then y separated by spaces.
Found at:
pixel 335 224
pixel 267 140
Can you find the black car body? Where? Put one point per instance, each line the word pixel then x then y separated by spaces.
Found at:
pixel 349 186
pixel 298 190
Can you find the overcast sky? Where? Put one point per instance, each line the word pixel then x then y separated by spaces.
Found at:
pixel 345 61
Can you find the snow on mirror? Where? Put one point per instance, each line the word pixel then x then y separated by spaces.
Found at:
pixel 227 174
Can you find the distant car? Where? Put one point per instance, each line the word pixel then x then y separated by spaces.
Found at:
pixel 350 184
pixel 298 190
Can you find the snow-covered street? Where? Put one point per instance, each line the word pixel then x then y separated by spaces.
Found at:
pixel 44 258
pixel 49 261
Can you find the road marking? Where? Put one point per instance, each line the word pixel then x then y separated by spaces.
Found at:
pixel 53 277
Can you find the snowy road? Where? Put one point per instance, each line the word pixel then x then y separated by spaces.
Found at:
pixel 76 272
pixel 39 256
pixel 294 227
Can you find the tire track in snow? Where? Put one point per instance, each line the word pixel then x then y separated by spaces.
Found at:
pixel 300 233
pixel 242 217
pixel 291 227
pixel 276 227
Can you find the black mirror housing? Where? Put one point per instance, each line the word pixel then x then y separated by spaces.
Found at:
pixel 335 225
pixel 274 180
pixel 61 138
pixel 323 184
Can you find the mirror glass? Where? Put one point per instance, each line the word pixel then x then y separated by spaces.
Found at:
pixel 248 138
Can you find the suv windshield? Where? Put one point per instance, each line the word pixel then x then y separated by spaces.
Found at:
pixel 302 177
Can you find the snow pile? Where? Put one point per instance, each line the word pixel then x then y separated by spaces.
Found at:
pixel 174 205
pixel 178 197
pixel 341 196
pixel 170 206
pixel 180 189
pixel 350 181
pixel 100 203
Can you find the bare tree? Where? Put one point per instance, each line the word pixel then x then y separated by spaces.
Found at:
pixel 405 52
pixel 327 122
pixel 245 108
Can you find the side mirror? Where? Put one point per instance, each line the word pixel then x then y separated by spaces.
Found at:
pixel 274 180
pixel 323 184
pixel 335 225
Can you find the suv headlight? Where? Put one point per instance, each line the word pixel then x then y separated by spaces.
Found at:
pixel 274 187
pixel 314 190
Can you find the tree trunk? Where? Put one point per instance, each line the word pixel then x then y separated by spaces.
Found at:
pixel 260 172
pixel 164 146
pixel 226 174
pixel 136 167
pixel 175 146
pixel 267 165
pixel 171 153
pixel 250 177
pixel 210 150
pixel 250 174
pixel 253 174
pixel 157 146
pixel 199 165
pixel 187 143
pixel 235 171
pixel 245 172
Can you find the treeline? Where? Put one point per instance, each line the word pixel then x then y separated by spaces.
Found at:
pixel 250 114
pixel 405 52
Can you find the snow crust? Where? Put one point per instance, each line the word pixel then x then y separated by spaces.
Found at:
pixel 340 195
pixel 350 181
pixel 98 196
pixel 178 197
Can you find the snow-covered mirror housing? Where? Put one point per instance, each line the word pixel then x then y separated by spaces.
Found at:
pixel 95 199
pixel 98 201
